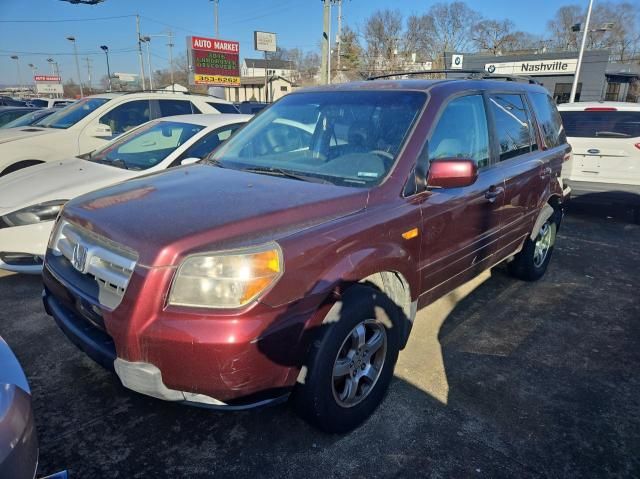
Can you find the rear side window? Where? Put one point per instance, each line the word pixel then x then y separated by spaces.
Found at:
pixel 204 146
pixel 601 124
pixel 223 107
pixel 548 119
pixel 513 126
pixel 175 107
pixel 462 131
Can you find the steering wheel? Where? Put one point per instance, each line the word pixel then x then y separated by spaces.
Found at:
pixel 387 157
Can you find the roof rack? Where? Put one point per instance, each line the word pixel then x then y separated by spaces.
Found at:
pixel 131 92
pixel 470 75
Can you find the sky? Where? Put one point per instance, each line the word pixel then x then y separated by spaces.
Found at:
pixel 37 29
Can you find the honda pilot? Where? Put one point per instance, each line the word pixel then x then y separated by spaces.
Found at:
pixel 291 262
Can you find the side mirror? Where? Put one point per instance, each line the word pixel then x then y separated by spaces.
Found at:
pixel 100 131
pixel 452 173
pixel 189 161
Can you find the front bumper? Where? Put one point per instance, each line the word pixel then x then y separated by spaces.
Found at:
pixel 236 361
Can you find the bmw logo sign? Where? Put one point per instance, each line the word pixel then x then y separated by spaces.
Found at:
pixel 491 68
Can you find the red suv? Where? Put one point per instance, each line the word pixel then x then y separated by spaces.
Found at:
pixel 292 261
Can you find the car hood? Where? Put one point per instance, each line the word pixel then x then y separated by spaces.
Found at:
pixel 56 180
pixel 205 208
pixel 13 134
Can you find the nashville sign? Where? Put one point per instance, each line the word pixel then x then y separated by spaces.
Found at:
pixel 536 67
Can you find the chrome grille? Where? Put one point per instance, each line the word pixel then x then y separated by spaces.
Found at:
pixel 110 264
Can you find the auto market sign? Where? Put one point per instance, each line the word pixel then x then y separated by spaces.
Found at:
pixel 48 84
pixel 213 61
pixel 535 67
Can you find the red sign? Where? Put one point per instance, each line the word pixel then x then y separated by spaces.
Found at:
pixel 53 78
pixel 214 61
pixel 215 45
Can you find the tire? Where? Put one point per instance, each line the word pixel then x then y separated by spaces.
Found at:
pixel 532 262
pixel 326 401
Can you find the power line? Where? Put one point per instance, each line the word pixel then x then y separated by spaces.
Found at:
pixel 68 20
pixel 13 52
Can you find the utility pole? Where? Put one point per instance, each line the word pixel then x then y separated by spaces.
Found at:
pixel 215 16
pixel 105 49
pixel 140 52
pixel 170 45
pixel 339 36
pixel 326 27
pixel 574 87
pixel 88 61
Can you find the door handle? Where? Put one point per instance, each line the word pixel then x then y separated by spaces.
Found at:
pixel 492 193
pixel 546 172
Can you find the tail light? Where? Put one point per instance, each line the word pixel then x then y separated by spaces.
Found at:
pixel 567 156
pixel 601 108
pixel 637 145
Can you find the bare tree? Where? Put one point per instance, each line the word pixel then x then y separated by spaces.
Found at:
pixel 450 26
pixel 494 36
pixel 559 28
pixel 382 33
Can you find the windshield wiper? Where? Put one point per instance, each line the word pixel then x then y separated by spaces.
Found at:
pixel 118 162
pixel 270 170
pixel 212 162
pixel 612 134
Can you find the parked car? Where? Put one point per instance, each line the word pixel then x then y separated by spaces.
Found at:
pixel 50 102
pixel 8 101
pixel 10 113
pixel 251 107
pixel 91 122
pixel 605 137
pixel 33 197
pixel 18 438
pixel 29 118
pixel 296 261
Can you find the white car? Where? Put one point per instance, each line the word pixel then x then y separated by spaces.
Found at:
pixel 30 199
pixel 92 121
pixel 50 102
pixel 605 137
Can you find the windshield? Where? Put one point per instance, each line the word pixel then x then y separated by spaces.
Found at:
pixel 146 146
pixel 28 119
pixel 72 114
pixel 349 138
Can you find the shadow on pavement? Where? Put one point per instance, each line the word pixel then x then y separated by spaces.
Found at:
pixel 538 380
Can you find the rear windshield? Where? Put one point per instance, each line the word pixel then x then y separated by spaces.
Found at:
pixel 601 124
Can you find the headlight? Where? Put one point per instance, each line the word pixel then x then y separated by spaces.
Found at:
pixel 34 214
pixel 226 280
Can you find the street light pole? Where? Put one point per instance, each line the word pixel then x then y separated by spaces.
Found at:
pixel 72 39
pixel 33 70
pixel 147 40
pixel 19 77
pixel 574 87
pixel 105 49
pixel 215 16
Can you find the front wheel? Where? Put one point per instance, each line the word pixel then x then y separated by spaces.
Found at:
pixel 351 365
pixel 531 263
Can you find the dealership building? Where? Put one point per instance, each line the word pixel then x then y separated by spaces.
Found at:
pixel 600 79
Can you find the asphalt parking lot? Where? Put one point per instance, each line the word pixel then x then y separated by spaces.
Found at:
pixel 500 379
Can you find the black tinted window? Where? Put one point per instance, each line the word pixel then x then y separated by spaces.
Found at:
pixel 39 103
pixel 601 124
pixel 210 142
pixel 175 107
pixel 462 131
pixel 513 127
pixel 126 116
pixel 549 119
pixel 224 107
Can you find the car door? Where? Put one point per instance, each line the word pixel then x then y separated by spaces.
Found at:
pixel 460 225
pixel 523 165
pixel 121 118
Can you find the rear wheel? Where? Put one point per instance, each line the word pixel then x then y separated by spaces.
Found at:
pixel 531 263
pixel 351 365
